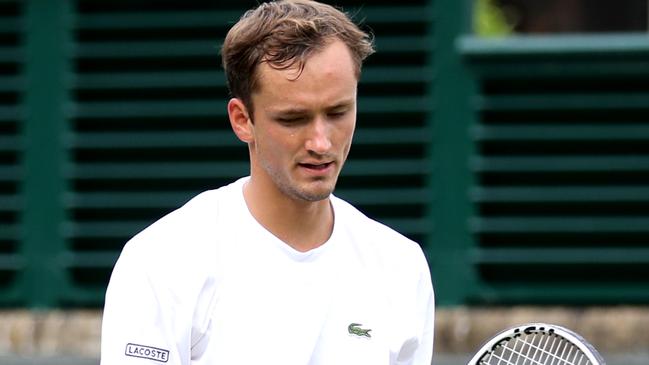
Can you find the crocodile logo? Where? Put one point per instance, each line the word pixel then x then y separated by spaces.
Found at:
pixel 355 329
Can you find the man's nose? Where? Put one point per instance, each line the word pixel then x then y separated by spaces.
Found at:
pixel 318 140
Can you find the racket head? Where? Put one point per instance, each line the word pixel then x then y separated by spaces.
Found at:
pixel 537 344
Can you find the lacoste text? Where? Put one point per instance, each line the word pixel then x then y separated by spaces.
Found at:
pixel 147 352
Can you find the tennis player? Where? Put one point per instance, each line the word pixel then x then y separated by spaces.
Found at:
pixel 274 269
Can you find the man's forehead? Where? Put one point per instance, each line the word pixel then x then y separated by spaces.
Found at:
pixel 290 71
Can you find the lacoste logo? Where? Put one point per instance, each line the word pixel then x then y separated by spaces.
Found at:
pixel 355 329
pixel 147 352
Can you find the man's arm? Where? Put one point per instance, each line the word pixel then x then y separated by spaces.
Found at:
pixel 426 313
pixel 139 320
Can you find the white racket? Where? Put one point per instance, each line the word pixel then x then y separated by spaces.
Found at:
pixel 537 344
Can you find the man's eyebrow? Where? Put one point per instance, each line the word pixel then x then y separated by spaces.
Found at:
pixel 290 111
pixel 301 111
pixel 342 104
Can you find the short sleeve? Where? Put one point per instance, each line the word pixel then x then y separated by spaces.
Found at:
pixel 140 320
pixel 426 313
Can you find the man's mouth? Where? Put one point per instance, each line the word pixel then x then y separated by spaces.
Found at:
pixel 321 166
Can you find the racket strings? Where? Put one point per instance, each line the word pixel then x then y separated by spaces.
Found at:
pixel 536 349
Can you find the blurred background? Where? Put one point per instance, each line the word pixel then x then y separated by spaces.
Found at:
pixel 510 138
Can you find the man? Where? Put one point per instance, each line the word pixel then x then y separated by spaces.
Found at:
pixel 273 269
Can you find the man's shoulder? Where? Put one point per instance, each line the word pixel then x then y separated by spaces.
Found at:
pixel 379 235
pixel 190 217
pixel 396 260
pixel 189 229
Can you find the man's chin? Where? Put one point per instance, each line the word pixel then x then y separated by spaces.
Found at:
pixel 316 198
pixel 314 193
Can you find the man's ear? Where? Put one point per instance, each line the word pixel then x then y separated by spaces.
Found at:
pixel 240 120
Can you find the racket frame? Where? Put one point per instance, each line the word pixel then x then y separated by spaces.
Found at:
pixel 503 337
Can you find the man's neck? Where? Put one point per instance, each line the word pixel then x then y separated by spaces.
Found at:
pixel 301 224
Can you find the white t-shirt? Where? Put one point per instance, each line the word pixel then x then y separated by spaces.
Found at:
pixel 208 285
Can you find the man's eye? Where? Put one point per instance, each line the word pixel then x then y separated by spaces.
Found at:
pixel 337 115
pixel 289 120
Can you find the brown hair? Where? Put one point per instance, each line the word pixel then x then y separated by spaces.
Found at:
pixel 285 33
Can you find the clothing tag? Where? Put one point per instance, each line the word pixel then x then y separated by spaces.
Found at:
pixel 147 352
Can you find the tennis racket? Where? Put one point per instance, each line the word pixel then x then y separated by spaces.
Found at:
pixel 537 344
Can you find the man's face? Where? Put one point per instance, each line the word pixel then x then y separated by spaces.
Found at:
pixel 304 123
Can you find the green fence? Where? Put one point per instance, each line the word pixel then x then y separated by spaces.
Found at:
pixel 508 161
pixel 561 165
